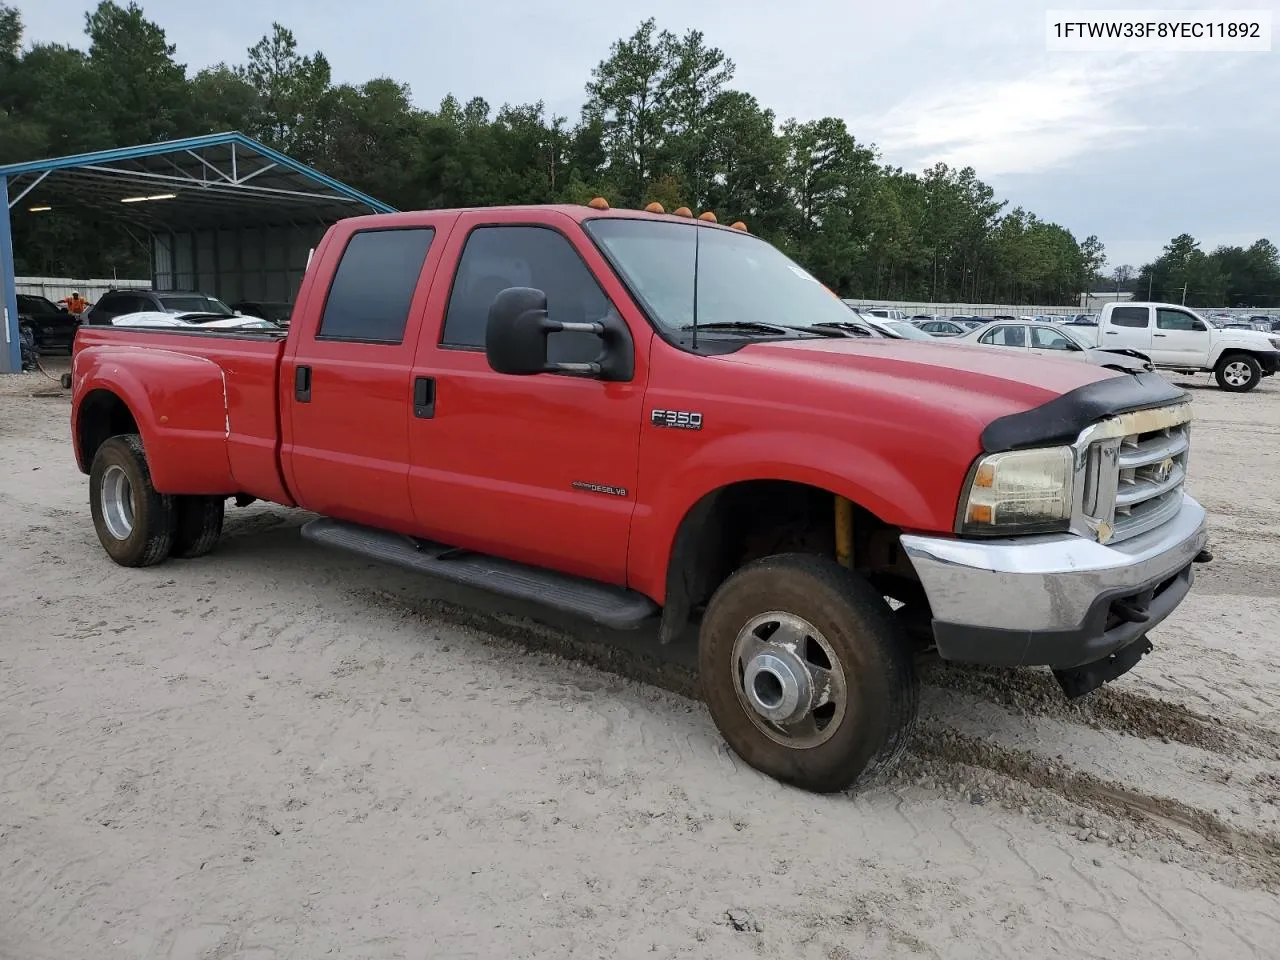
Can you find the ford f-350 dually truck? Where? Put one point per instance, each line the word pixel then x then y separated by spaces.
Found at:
pixel 639 417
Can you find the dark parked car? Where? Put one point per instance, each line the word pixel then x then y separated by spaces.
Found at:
pixel 275 311
pixel 119 302
pixel 51 328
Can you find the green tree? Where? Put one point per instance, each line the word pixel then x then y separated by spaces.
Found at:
pixel 138 89
pixel 220 99
pixel 694 80
pixel 292 91
pixel 627 98
pixel 662 121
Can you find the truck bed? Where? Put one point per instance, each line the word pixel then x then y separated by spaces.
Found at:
pixel 220 430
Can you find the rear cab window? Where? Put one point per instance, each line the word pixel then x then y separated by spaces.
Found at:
pixel 369 296
pixel 1130 317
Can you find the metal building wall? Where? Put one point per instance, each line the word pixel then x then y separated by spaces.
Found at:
pixel 249 263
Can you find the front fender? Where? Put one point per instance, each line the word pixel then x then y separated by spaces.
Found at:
pixel 179 403
pixel 924 499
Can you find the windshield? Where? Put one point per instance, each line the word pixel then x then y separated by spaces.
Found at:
pixel 195 303
pixel 740 278
pixel 35 305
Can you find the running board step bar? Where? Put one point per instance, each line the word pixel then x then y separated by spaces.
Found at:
pixel 611 606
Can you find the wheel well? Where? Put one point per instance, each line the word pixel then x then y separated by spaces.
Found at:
pixel 745 521
pixel 103 415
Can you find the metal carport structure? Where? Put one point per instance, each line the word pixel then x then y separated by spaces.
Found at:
pixel 223 213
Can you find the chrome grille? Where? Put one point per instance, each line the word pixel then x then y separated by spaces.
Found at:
pixel 1132 469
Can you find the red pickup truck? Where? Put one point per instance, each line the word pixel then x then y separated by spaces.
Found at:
pixel 634 417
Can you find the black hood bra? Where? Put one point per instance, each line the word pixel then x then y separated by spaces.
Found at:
pixel 1062 419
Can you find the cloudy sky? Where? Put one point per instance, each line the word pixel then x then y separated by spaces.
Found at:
pixel 1134 148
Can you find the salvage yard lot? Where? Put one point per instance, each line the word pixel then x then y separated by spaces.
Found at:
pixel 277 751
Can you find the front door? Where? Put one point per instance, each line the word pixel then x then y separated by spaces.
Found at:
pixel 1179 338
pixel 539 469
pixel 1048 342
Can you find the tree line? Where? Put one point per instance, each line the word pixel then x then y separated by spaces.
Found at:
pixel 661 121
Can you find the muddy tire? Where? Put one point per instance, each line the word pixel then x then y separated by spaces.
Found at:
pixel 135 523
pixel 806 672
pixel 198 525
pixel 1238 372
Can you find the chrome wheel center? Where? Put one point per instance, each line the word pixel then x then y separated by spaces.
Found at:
pixel 789 680
pixel 1237 373
pixel 776 685
pixel 117 502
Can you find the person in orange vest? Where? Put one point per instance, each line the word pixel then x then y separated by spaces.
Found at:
pixel 75 303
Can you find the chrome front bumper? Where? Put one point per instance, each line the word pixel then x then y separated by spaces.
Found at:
pixel 1059 600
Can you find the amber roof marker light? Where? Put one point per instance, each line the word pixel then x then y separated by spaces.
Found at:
pixel 739 225
pixel 655 207
pixel 707 217
pixel 683 212
pixel 599 203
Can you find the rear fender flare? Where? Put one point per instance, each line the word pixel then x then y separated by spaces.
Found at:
pixel 179 403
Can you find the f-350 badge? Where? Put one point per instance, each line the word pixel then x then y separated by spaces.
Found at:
pixel 676 419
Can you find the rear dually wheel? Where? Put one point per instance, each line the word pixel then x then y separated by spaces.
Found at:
pixel 134 521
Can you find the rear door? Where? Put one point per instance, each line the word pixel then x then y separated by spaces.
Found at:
pixel 1128 327
pixel 1179 338
pixel 345 384
pixel 538 469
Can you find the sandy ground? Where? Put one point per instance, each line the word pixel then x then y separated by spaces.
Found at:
pixel 277 751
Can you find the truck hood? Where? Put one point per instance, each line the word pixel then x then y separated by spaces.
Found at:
pixel 1255 339
pixel 976 384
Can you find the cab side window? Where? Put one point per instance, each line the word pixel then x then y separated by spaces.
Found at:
pixel 372 288
pixel 1176 320
pixel 1129 317
pixel 498 257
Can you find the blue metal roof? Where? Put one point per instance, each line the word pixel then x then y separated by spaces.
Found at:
pixel 208 175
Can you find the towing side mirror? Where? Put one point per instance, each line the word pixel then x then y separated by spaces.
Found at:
pixel 515 339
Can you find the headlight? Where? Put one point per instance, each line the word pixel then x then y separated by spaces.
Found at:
pixel 1022 491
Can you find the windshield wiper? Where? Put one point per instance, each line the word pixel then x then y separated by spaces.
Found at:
pixel 756 326
pixel 829 328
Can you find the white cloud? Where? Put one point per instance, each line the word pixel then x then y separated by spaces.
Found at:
pixel 1035 121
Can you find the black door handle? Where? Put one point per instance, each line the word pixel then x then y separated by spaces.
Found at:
pixel 424 397
pixel 1159 334
pixel 302 384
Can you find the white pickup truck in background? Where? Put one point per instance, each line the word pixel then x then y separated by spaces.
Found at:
pixel 1175 338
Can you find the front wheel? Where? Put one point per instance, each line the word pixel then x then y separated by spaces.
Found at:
pixel 1238 372
pixel 135 522
pixel 806 673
